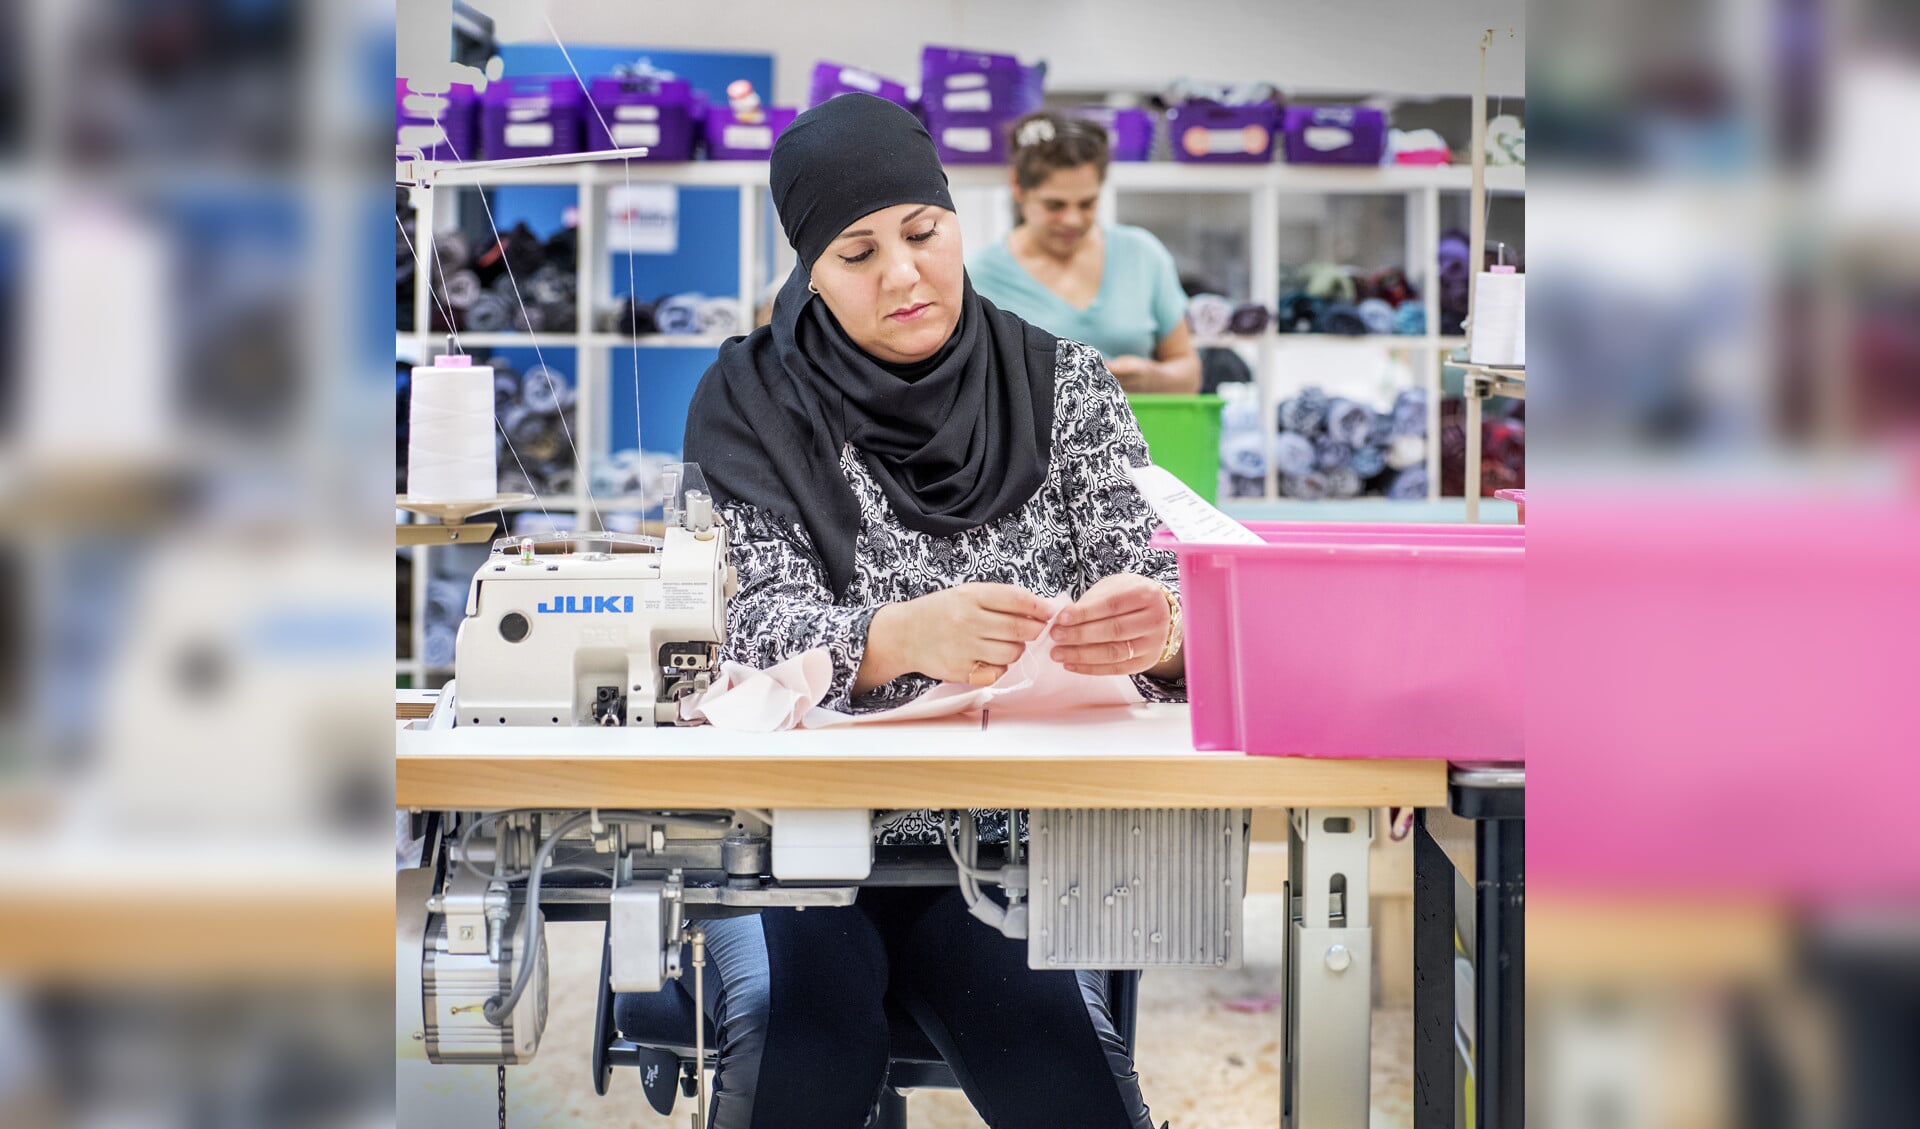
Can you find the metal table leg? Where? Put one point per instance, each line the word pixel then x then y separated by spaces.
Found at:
pixel 1326 1067
pixel 1494 797
pixel 1435 1099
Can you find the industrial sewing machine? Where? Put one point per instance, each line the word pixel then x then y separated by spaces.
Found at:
pixel 607 633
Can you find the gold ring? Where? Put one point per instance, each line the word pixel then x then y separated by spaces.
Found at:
pixel 1129 650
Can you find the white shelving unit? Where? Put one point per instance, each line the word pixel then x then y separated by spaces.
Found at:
pixel 1263 185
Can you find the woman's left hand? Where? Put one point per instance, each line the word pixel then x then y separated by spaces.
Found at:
pixel 1119 627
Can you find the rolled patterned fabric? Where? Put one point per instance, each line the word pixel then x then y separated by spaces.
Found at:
pixel 1349 422
pixel 1407 451
pixel 1293 453
pixel 1410 319
pixel 1410 412
pixel 1377 315
pixel 462 289
pixel 1209 315
pixel 1409 485
pixel 678 315
pixel 488 314
pixel 1308 487
pixel 1249 319
pixel 1343 482
pixel 1329 453
pixel 1368 461
pixel 720 317
pixel 1243 455
pixel 1299 314
pixel 1306 413
pixel 543 389
pixel 1342 319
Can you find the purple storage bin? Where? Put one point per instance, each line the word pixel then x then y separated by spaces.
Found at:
pixel 1210 133
pixel 440 126
pixel 642 113
pixel 955 81
pixel 532 116
pixel 969 139
pixel 1335 135
pixel 830 79
pixel 729 139
pixel 1129 132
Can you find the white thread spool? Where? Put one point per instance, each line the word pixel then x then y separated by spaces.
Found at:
pixel 450 450
pixel 1498 335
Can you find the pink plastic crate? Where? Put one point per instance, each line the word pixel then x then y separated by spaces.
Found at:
pixel 1339 639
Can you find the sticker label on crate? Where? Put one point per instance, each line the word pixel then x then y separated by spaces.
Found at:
pixel 859 80
pixel 628 135
pixel 747 137
pixel 636 113
pixel 968 100
pixel 967 139
pixel 526 109
pixel 530 135
pixel 972 80
pixel 1199 141
pixel 1326 137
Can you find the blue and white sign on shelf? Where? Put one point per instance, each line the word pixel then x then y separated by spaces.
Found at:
pixel 643 218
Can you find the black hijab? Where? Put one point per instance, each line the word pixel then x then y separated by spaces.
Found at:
pixel 955 441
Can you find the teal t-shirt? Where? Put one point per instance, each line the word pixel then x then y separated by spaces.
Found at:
pixel 1140 300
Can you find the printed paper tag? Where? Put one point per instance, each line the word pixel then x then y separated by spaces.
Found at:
pixel 859 80
pixel 629 135
pixel 636 113
pixel 1188 514
pixel 747 137
pixel 530 135
pixel 968 100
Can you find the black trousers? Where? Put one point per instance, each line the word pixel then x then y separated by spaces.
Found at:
pixel 798 1000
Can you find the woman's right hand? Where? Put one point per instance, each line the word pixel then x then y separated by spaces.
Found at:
pixel 969 633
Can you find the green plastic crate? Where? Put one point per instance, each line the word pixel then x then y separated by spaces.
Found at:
pixel 1183 436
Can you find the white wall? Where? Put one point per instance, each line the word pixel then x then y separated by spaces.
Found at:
pixel 1411 47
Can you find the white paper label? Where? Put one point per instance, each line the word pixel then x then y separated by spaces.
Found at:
pixel 425 105
pixel 684 595
pixel 967 139
pixel 1188 514
pixel 859 80
pixel 968 100
pixel 1227 141
pixel 972 80
pixel 628 135
pixel 422 137
pixel 1326 137
pixel 530 135
pixel 636 113
pixel 643 218
pixel 527 109
pixel 747 137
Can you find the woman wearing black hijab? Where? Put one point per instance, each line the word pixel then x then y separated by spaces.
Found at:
pixel 905 472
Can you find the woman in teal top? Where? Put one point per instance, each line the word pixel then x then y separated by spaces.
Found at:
pixel 1111 286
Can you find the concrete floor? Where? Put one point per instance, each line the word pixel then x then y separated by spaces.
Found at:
pixel 1202 1065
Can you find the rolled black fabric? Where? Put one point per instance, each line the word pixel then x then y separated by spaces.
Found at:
pixel 848 157
pixel 955 441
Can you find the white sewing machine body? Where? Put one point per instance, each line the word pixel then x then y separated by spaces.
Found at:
pixel 609 636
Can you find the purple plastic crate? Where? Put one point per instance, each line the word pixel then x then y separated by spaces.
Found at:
pixel 729 139
pixel 440 126
pixel 969 139
pixel 1335 135
pixel 532 116
pixel 830 79
pixel 642 113
pixel 1210 133
pixel 954 80
pixel 1129 132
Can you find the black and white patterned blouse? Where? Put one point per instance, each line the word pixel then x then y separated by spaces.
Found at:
pixel 1086 522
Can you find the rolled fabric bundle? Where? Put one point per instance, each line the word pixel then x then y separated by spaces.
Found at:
pixel 1349 422
pixel 1241 486
pixel 512 479
pixel 720 317
pixel 1406 451
pixel 1293 453
pixel 1343 482
pixel 519 248
pixel 1240 413
pixel 1209 315
pixel 607 481
pixel 1409 485
pixel 506 387
pixel 1410 412
pixel 1299 313
pixel 1376 314
pixel 1382 428
pixel 560 478
pixel 1342 319
pixel 545 390
pixel 1368 461
pixel 1306 413
pixel 451 249
pixel 1330 282
pixel 548 286
pixel 1249 319
pixel 1410 319
pixel 627 316
pixel 488 314
pixel 563 248
pixel 1329 453
pixel 560 317
pixel 436 646
pixel 678 315
pixel 1391 286
pixel 462 289
pixel 1308 487
pixel 529 319
pixel 446 601
pixel 1244 454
